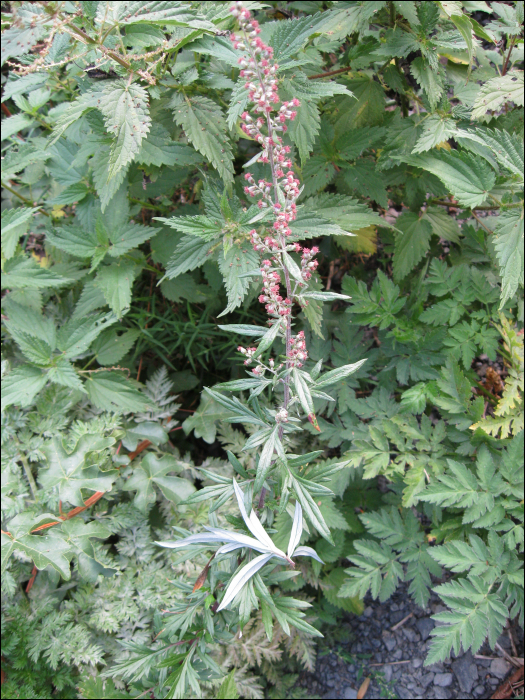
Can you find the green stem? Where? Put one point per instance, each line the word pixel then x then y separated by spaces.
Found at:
pixel 24 199
pixel 28 472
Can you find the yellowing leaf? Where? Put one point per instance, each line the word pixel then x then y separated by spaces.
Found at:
pixel 363 241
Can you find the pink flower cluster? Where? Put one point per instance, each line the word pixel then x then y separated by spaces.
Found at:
pixel 298 353
pixel 257 67
pixel 308 264
pixel 275 304
pixel 248 352
pixel 268 119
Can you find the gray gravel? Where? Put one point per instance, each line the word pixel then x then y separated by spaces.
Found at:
pixel 369 639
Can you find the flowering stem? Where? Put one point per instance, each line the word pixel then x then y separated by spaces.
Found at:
pixel 269 111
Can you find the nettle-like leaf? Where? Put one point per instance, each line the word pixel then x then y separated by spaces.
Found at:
pixel 496 91
pixel 126 115
pixel 204 125
pixel 468 178
pixel 508 243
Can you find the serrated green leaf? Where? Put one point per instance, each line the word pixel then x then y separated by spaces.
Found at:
pixel 508 243
pixel 190 253
pixel 496 91
pixel 21 385
pixel 204 124
pixel 412 244
pixel 15 223
pixel 111 391
pixel 126 116
pixel 115 282
pixel 468 177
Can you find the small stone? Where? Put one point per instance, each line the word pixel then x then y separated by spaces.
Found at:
pixel 368 611
pixel 398 654
pixel 410 634
pixel 404 692
pixel 504 642
pixel 416 663
pixel 493 681
pixel 394 607
pixel 330 683
pixel 441 693
pixel 479 690
pixel 499 668
pixel 389 641
pixel 427 679
pixel 397 617
pixel 425 626
pixel 465 671
pixel 436 668
pixel 350 693
pixel 443 680
pixel 387 672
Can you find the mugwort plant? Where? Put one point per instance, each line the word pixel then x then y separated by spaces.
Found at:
pixel 276 469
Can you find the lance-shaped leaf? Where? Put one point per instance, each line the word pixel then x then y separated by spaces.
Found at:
pixel 243 329
pixel 297 529
pixel 242 413
pixel 242 577
pixel 268 338
pixel 253 523
pixel 261 542
pixel 336 375
pixel 307 552
pixel 325 296
pixel 265 459
pixel 73 472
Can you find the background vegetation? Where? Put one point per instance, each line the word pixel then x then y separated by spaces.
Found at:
pixel 125 248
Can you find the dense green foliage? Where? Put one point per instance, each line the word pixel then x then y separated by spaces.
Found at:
pixel 126 255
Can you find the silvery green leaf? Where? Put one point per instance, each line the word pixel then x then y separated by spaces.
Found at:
pixel 268 338
pixel 321 395
pixel 303 392
pixel 253 523
pixel 200 538
pixel 242 577
pixel 252 160
pixel 265 460
pixel 257 439
pixel 307 552
pixel 314 373
pixel 291 512
pixel 293 267
pixel 297 529
pixel 228 548
pixel 242 384
pixel 336 375
pixel 230 537
pixel 243 329
pixel 324 296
